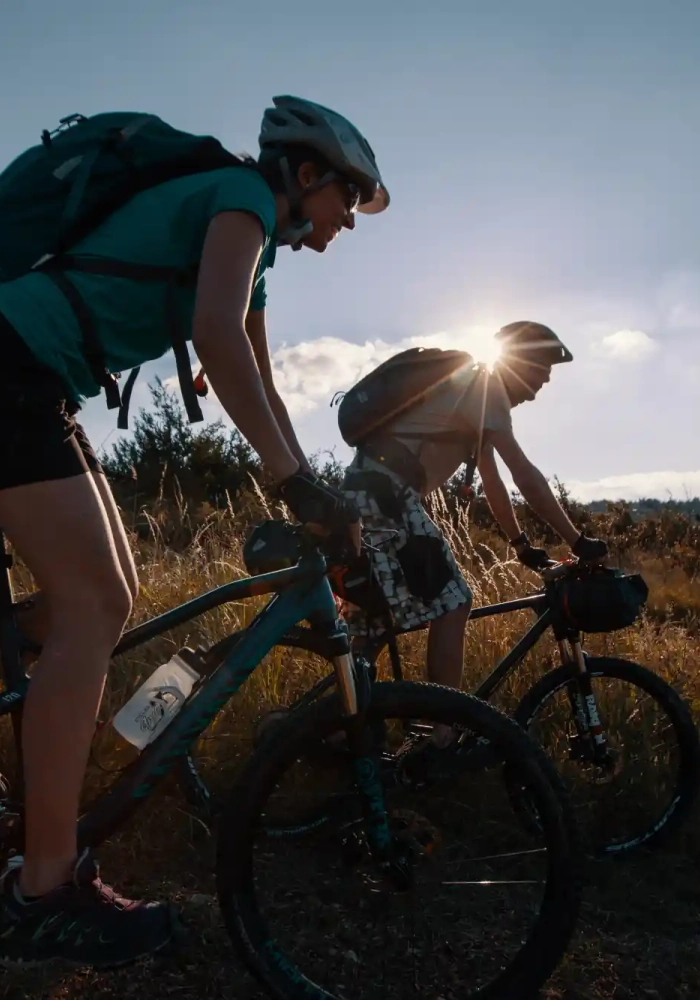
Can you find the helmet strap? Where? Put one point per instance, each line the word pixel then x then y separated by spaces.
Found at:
pixel 298 227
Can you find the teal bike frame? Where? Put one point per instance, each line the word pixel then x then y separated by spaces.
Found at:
pixel 302 593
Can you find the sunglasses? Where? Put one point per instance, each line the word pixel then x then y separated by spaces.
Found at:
pixel 352 200
pixel 352 193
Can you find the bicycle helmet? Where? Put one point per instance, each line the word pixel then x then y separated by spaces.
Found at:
pixel 534 342
pixel 295 121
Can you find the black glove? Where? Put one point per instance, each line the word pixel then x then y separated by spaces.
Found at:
pixel 589 549
pixel 313 502
pixel 533 558
pixel 527 554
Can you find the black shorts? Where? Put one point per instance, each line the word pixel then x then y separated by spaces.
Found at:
pixel 40 439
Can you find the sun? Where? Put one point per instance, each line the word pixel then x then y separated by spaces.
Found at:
pixel 481 344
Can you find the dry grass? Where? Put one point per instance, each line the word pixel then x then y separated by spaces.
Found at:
pixel 640 930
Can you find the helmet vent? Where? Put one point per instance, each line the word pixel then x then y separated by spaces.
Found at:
pixel 304 118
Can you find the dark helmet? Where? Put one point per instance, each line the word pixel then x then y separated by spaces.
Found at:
pixel 533 342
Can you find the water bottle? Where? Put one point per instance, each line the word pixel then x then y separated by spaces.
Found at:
pixel 156 703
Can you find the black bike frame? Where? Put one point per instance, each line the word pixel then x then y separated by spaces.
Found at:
pixel 510 662
pixel 538 603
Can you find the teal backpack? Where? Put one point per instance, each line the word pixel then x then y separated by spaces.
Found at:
pixel 55 193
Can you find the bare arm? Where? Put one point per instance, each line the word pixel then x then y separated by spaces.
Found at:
pixel 496 493
pixel 257 332
pixel 533 486
pixel 229 260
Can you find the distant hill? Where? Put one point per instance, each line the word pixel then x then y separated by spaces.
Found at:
pixel 648 506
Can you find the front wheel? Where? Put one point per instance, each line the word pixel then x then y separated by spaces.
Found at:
pixel 486 908
pixel 643 787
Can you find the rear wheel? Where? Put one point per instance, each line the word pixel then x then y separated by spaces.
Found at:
pixel 489 907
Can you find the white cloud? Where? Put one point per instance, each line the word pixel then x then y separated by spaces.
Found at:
pixel 308 374
pixel 627 345
pixel 599 416
pixel 678 485
pixel 679 301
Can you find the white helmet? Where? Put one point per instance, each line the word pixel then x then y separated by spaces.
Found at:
pixel 294 121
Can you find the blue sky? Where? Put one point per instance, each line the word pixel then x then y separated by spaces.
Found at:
pixel 542 159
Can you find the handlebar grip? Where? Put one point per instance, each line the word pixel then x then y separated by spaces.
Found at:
pixel 555 570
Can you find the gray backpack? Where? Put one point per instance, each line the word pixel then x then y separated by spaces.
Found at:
pixel 395 387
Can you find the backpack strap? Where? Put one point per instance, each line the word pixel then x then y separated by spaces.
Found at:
pixel 396 456
pixel 176 278
pixel 92 349
pixel 111 268
pixel 466 488
pixel 79 185
pixel 182 354
pixel 123 418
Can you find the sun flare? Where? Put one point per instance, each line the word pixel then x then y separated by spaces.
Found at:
pixel 481 344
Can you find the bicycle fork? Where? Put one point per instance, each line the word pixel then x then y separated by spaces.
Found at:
pixel 584 707
pixel 353 680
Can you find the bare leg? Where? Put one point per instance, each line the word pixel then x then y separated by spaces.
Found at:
pixel 121 542
pixel 62 532
pixel 33 620
pixel 446 657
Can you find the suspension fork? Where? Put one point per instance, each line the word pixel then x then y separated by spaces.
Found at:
pixel 354 686
pixel 584 707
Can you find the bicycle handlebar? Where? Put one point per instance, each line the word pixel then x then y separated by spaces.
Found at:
pixel 568 567
pixel 335 548
pixel 556 570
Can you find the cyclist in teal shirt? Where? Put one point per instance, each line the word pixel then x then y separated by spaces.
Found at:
pixel 167 224
pixel 314 171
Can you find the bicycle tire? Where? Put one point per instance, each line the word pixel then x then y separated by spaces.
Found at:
pixel 685 791
pixel 554 925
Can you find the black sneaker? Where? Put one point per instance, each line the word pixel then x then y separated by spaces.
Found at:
pixel 83 922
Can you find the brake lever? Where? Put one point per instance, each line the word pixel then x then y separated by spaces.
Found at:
pixel 370 548
pixel 556 570
pixel 371 532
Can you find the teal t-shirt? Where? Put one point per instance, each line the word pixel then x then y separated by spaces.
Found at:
pixel 165 225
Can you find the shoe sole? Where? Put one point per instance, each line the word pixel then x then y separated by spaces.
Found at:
pixel 174 942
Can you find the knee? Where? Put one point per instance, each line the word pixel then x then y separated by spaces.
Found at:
pixel 98 607
pixel 115 601
pixel 131 578
pixel 132 583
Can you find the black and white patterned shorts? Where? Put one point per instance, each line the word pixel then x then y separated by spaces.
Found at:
pixel 414 567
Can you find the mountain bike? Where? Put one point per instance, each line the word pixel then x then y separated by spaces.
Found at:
pixel 622 737
pixel 506 898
